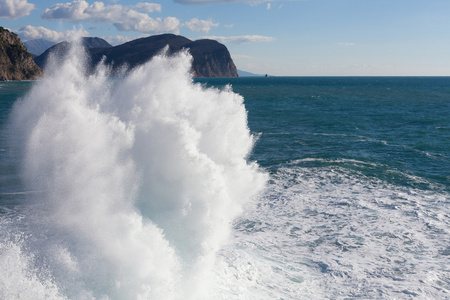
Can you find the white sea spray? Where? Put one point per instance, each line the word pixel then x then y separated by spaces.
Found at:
pixel 138 181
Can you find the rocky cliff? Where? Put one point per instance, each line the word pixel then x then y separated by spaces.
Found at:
pixel 211 59
pixel 15 61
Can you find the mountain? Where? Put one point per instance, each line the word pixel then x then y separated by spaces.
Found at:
pixel 61 48
pixel 138 51
pixel 38 46
pixel 210 58
pixel 15 61
pixel 95 42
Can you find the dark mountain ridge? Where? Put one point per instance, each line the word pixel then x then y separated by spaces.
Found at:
pixel 138 51
pixel 95 42
pixel 210 58
pixel 62 48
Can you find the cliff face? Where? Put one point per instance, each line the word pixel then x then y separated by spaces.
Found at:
pixel 15 61
pixel 211 59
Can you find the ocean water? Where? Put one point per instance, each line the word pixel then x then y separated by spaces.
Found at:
pixel 159 186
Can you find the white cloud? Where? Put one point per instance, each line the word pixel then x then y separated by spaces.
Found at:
pixel 134 22
pixel 124 18
pixel 68 11
pixel 269 6
pixel 197 25
pixel 30 33
pixel 241 39
pixel 13 9
pixel 148 7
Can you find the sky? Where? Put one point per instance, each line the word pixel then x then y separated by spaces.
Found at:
pixel 283 38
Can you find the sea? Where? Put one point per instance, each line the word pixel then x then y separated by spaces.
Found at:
pixel 155 185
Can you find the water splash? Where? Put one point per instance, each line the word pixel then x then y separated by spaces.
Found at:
pixel 139 179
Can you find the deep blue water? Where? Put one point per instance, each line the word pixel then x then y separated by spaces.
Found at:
pixel 358 201
pixel 398 126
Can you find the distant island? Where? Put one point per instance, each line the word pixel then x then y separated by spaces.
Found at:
pixel 210 58
pixel 15 61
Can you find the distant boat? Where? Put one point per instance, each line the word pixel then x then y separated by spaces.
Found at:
pixel 265 75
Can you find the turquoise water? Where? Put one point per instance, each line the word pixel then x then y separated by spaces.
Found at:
pixel 357 205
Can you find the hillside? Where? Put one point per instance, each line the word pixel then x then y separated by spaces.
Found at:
pixel 210 58
pixel 61 48
pixel 15 61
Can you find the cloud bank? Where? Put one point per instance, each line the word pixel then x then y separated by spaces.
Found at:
pixel 197 25
pixel 30 33
pixel 124 18
pixel 13 9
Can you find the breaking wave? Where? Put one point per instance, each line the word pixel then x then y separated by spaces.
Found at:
pixel 137 181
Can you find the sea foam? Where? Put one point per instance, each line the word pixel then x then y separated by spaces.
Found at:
pixel 137 182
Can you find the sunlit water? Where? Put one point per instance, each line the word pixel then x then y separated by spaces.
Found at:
pixel 158 186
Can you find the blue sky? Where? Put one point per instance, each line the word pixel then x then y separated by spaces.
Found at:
pixel 294 38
